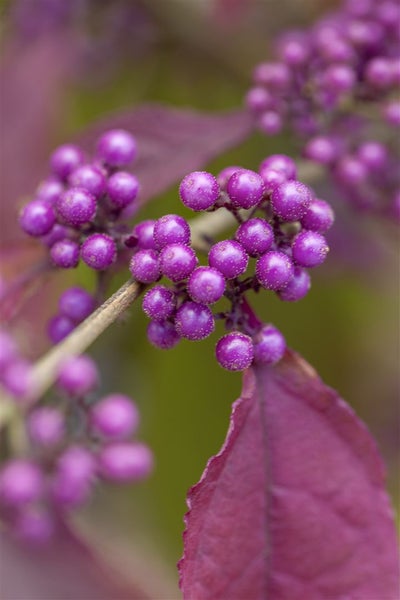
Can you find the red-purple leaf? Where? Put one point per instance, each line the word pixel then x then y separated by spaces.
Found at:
pixel 65 569
pixel 173 142
pixel 293 507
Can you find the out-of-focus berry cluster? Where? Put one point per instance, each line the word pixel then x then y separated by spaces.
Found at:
pixel 336 85
pixel 72 443
pixel 280 235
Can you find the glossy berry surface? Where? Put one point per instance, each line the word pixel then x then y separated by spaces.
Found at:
pixel 37 218
pixel 309 249
pixel 162 334
pixel 117 148
pixel 269 345
pixel 76 304
pixel 46 426
pixel 122 189
pixel 290 200
pixel 145 266
pixel 274 270
pixel 206 285
pixel 228 257
pixel 99 251
pixel 255 235
pixel 73 478
pixel 65 159
pixel 124 462
pixel 49 190
pixel 171 229
pixel 144 233
pixel 177 261
pixel 90 178
pixel 245 188
pixel 78 376
pixel 65 254
pixel 21 481
pixel 280 163
pixel 59 327
pixel 114 417
pixel 319 216
pixel 298 286
pixel 199 190
pixel 194 321
pixel 76 207
pixel 159 303
pixel 234 351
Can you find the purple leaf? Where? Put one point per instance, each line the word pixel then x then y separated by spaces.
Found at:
pixel 173 142
pixel 293 507
pixel 64 569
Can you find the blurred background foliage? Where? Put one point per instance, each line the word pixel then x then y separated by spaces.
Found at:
pixel 199 54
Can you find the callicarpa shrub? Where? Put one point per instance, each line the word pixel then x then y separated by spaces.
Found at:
pixel 294 505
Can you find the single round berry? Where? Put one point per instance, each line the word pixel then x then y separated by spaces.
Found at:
pixel 76 207
pixel 8 350
pixel 45 426
pixel 37 218
pixel 322 149
pixel 290 200
pixel 123 462
pixel 374 155
pixel 33 525
pixel 298 286
pixel 245 188
pixel 144 232
pixel 199 190
pixel 177 261
pixel 206 285
pixel 78 375
pixel 234 351
pixel 21 482
pixel 229 257
pixel 65 254
pixel 117 148
pixel 171 229
pixel 59 327
pixel 162 334
pixel 255 235
pixel 272 178
pixel 114 417
pixel 72 481
pixel 391 113
pixel 338 79
pixel 319 216
pixel 159 303
pixel 309 249
pixel 99 251
pixel 122 189
pixel 49 190
pixel 270 122
pixel 258 99
pixel 275 75
pixel 351 171
pixel 269 345
pixel 76 304
pixel 274 270
pixel 145 266
pixel 194 321
pixel 379 73
pixel 90 178
pixel 17 379
pixel 282 163
pixel 224 176
pixel 66 159
pixel 57 233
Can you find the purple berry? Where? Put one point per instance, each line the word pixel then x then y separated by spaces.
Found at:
pixel 66 159
pixel 258 99
pixel 274 270
pixel 199 190
pixel 49 191
pixel 76 304
pixel 159 303
pixel 228 257
pixel 65 254
pixel 290 200
pixel 78 375
pixel 123 462
pixel 322 149
pixel 269 345
pixel 117 148
pixel 391 113
pixel 351 171
pixel 338 79
pixel 177 261
pixel 145 266
pixel 272 178
pixel 282 163
pixel 56 234
pixel 21 482
pixel 45 426
pixel 37 218
pixel 89 178
pixel 275 75
pixel 8 350
pixel 114 417
pixel 234 351
pixel 171 229
pixel 225 175
pixel 59 327
pixel 379 73
pixel 76 207
pixel 144 232
pixel 270 122
pixel 309 249
pixel 162 335
pixel 255 235
pixel 122 189
pixel 206 285
pixel 194 321
pixel 245 188
pixel 318 217
pixel 33 525
pixel 74 476
pixel 298 286
pixel 99 251
pixel 17 379
pixel 374 155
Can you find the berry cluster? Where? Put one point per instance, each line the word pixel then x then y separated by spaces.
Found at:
pixel 281 227
pixel 71 445
pixel 335 85
pixel 76 212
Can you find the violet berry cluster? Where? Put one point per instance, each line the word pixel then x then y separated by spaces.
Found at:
pixel 280 235
pixel 77 211
pixel 336 85
pixel 72 444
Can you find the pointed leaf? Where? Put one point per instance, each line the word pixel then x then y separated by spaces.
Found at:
pixel 293 507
